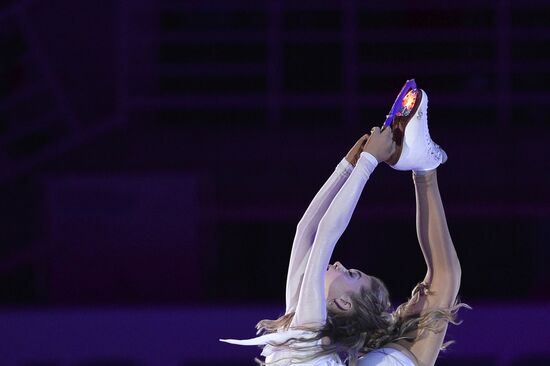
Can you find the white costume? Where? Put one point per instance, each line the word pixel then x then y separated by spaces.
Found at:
pixel 317 233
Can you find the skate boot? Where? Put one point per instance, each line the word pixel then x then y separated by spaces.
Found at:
pixel 415 150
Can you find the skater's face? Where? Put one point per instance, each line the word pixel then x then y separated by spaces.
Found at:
pixel 340 282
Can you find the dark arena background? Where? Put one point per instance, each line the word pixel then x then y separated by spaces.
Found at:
pixel 157 156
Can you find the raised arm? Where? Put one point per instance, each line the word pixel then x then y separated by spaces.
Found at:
pixel 306 228
pixel 311 308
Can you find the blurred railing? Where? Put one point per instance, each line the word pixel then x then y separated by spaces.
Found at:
pixel 491 334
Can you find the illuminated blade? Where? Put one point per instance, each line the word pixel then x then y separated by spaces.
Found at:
pixel 398 104
pixel 408 103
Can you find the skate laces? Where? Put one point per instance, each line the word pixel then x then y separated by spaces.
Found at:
pixel 433 149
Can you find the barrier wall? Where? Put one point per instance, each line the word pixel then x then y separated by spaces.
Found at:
pixel 491 334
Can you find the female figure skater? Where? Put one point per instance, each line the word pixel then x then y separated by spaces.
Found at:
pixel 333 311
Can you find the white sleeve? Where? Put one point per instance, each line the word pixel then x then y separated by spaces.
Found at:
pixel 306 229
pixel 311 308
pixel 385 357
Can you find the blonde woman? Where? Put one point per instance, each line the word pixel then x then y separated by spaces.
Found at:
pixel 336 316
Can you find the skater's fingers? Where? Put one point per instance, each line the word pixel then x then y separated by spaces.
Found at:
pixel 375 130
pixel 387 137
pixel 361 142
pixel 387 131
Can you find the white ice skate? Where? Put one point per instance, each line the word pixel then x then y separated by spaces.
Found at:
pixel 415 150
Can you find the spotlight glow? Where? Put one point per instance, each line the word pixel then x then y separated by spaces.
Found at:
pixel 408 102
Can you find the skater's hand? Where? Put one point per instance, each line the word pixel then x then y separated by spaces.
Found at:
pixel 380 144
pixel 355 151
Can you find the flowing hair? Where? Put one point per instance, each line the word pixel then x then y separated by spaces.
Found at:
pixel 370 324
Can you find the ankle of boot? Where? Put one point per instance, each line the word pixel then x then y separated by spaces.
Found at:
pixel 424 176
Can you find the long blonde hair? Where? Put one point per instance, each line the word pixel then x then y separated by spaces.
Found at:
pixel 370 325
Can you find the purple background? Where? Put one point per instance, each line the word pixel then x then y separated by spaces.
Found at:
pixel 157 155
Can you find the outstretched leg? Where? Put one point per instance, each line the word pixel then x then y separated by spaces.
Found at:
pixel 431 225
pixel 442 280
